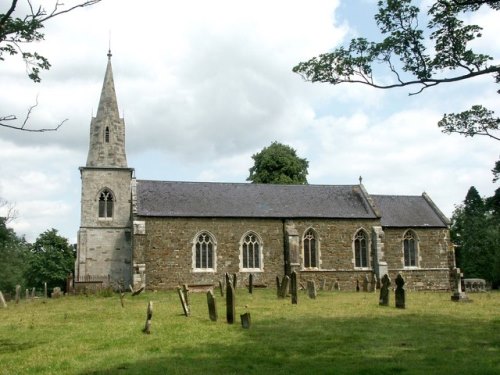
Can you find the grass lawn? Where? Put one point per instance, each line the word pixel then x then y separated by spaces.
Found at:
pixel 337 333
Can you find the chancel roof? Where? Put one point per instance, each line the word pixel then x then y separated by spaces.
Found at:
pixel 207 199
pixel 409 211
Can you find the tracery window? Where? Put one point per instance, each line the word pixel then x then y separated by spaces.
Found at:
pixel 251 252
pixel 106 201
pixel 310 246
pixel 410 249
pixel 204 252
pixel 361 249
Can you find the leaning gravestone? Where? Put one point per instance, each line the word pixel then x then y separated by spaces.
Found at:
pixel 245 320
pixel 284 286
pixel 400 292
pixel 2 300
pixel 185 291
pixel 212 307
pixel 293 287
pixel 184 304
pixel 384 291
pixel 311 289
pixel 149 317
pixel 230 303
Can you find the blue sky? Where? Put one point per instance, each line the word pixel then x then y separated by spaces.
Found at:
pixel 204 85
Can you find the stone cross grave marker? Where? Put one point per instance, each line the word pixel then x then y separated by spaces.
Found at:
pixel 185 307
pixel 212 307
pixel 245 320
pixel 311 289
pixel 384 291
pixel 400 292
pixel 230 303
pixel 293 287
pixel 458 294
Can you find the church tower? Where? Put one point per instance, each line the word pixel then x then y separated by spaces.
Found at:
pixel 104 239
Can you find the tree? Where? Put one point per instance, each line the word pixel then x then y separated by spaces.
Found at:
pixel 18 31
pixel 52 259
pixel 475 231
pixel 417 57
pixel 278 164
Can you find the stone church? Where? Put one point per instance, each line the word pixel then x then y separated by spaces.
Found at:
pixel 162 234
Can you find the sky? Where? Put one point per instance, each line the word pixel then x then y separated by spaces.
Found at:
pixel 204 85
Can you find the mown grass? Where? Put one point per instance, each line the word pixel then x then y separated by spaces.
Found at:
pixel 337 333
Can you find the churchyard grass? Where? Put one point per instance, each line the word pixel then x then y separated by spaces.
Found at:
pixel 336 333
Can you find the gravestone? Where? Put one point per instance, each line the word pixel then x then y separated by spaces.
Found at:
pixel 2 300
pixel 384 291
pixel 185 291
pixel 284 286
pixel 357 285
pixel 278 286
pixel 56 292
pixel 235 281
pixel 250 283
pixel 365 283
pixel 336 285
pixel 32 294
pixel 293 287
pixel 323 284
pixel 27 294
pixel 185 307
pixel 311 289
pixel 458 294
pixel 230 303
pixel 245 320
pixel 18 293
pixel 45 290
pixel 212 307
pixel 227 280
pixel 221 287
pixel 149 317
pixel 374 283
pixel 400 292
pixel 69 283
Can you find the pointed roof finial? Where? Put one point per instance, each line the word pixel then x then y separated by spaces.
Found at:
pixel 109 46
pixel 360 180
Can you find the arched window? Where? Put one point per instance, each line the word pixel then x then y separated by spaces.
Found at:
pixel 251 252
pixel 361 249
pixel 310 245
pixel 106 134
pixel 410 249
pixel 106 204
pixel 204 252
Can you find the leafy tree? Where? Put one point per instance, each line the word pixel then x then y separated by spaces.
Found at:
pixel 13 257
pixel 475 231
pixel 18 31
pixel 52 259
pixel 416 56
pixel 278 164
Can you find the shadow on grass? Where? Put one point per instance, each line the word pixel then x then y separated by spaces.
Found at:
pixel 12 346
pixel 406 344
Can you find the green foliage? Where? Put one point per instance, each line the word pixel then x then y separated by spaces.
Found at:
pixel 278 164
pixel 13 259
pixel 414 55
pixel 52 259
pixel 475 230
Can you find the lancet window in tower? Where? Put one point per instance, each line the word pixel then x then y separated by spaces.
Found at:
pixel 106 134
pixel 106 204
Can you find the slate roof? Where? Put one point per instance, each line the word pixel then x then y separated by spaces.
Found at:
pixel 409 211
pixel 207 199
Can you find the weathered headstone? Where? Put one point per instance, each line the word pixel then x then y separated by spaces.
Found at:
pixel 323 284
pixel 227 280
pixel 245 320
pixel 212 307
pixel 235 281
pixel 284 286
pixel 250 283
pixel 374 283
pixel 18 293
pixel 2 300
pixel 357 285
pixel 27 294
pixel 149 317
pixel 278 286
pixel 458 294
pixel 336 285
pixel 45 290
pixel 400 292
pixel 32 294
pixel 185 307
pixel 293 287
pixel 230 303
pixel 384 291
pixel 185 291
pixel 311 289
pixel 365 283
pixel 56 292
pixel 221 287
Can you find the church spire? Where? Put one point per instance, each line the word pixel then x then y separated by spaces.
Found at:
pixel 107 129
